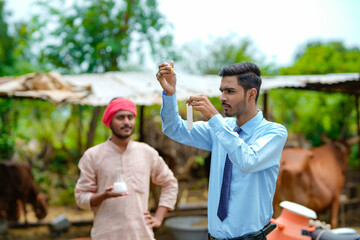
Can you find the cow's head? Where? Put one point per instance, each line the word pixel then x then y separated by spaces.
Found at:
pixel 41 206
pixel 342 150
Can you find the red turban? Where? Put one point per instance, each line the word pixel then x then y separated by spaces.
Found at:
pixel 115 106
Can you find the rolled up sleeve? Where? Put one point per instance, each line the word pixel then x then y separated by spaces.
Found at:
pixel 86 184
pixel 163 176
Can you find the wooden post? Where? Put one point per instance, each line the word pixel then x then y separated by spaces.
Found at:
pixel 265 112
pixel 141 128
pixel 80 128
pixel 358 121
pixel 92 127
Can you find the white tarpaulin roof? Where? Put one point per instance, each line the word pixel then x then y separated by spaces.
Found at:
pixel 144 89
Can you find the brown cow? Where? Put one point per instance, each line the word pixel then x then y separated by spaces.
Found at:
pixel 18 187
pixel 313 177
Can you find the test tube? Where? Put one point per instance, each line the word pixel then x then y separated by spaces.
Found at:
pixel 189 117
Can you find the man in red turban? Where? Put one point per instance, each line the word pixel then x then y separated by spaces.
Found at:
pixel 123 215
pixel 116 105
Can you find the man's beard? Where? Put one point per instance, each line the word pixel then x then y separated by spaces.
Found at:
pixel 229 115
pixel 119 135
pixel 226 113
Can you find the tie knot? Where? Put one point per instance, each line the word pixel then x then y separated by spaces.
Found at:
pixel 237 129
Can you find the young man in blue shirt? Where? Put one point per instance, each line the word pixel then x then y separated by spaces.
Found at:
pixel 245 149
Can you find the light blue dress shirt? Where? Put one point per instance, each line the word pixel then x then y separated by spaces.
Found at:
pixel 255 154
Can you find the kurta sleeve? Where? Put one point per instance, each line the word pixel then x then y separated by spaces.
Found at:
pixel 86 184
pixel 163 176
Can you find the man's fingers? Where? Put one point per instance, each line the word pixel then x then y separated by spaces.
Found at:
pixel 166 67
pixel 164 64
pixel 197 101
pixel 197 98
pixel 150 221
pixel 158 75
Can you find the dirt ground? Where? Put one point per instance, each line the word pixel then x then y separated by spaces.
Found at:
pixel 80 220
pixel 81 225
pixel 192 201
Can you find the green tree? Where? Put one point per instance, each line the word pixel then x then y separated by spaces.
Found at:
pixel 16 57
pixel 7 43
pixel 317 114
pixel 12 62
pixel 101 35
pixel 211 57
pixel 322 58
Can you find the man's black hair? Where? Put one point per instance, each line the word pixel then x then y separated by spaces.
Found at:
pixel 248 75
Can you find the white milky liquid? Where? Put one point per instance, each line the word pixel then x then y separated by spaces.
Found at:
pixel 119 187
pixel 189 117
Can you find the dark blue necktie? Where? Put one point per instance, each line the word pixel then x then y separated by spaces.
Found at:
pixel 225 187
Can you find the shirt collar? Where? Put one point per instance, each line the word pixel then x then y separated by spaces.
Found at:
pixel 250 125
pixel 114 146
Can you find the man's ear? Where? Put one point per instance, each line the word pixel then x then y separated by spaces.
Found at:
pixel 252 94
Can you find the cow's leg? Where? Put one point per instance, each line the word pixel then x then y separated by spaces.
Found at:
pixel 335 210
pixel 4 206
pixel 13 213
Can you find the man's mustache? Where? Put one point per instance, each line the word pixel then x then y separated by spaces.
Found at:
pixel 225 104
pixel 126 126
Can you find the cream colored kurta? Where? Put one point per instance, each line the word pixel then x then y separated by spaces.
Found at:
pixel 122 218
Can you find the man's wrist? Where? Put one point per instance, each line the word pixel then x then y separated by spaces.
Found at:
pixel 169 93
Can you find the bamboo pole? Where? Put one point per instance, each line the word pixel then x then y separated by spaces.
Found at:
pixel 358 121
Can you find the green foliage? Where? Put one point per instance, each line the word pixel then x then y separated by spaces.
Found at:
pixel 6 125
pixel 100 35
pixel 200 160
pixel 318 114
pixel 7 43
pixel 15 55
pixel 66 196
pixel 211 57
pixel 51 138
pixel 314 114
pixel 322 58
pixel 354 159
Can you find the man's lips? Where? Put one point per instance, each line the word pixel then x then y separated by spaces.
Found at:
pixel 226 106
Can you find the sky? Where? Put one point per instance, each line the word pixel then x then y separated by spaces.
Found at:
pixel 276 27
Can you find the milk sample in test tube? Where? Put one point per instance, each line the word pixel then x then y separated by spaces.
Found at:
pixel 119 184
pixel 189 117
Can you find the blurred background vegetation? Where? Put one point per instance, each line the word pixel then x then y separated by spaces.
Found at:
pixel 97 36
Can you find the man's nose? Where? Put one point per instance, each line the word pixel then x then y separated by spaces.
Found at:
pixel 222 97
pixel 127 120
